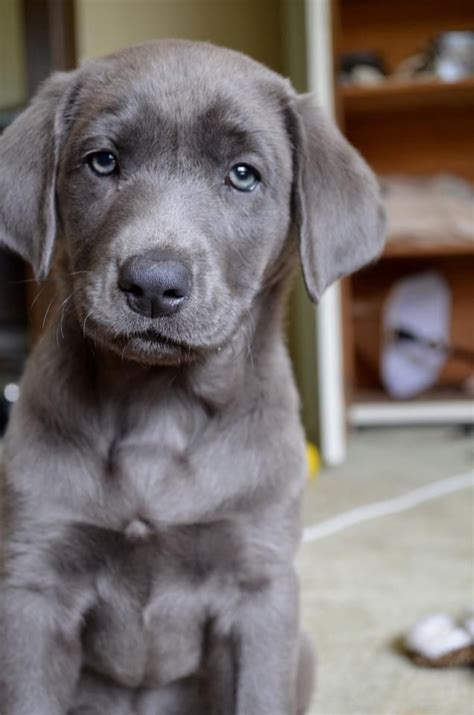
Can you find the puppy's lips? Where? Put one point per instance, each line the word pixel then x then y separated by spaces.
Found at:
pixel 152 337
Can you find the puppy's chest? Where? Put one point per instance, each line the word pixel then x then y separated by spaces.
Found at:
pixel 143 455
pixel 155 600
pixel 164 583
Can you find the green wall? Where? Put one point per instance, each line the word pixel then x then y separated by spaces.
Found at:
pixel 12 56
pixel 251 26
pixel 302 316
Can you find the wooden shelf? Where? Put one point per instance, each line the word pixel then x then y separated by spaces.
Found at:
pixel 371 408
pixel 393 95
pixel 415 248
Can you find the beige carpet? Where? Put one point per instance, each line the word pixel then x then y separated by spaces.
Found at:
pixel 363 587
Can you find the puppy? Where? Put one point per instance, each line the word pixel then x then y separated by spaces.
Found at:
pixel 154 463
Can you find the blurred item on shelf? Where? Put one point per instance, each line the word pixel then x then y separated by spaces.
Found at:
pixel 362 68
pixel 448 57
pixel 429 210
pixel 454 58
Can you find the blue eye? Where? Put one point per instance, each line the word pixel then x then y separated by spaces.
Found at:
pixel 243 177
pixel 102 163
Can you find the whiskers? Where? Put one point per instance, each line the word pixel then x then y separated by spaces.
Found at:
pixel 22 281
pixel 249 332
pixel 62 281
pixel 62 312
pixel 85 321
pixel 37 296
pixel 46 312
pixel 65 306
pixel 78 273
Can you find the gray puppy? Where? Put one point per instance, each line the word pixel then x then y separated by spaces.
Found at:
pixel 154 464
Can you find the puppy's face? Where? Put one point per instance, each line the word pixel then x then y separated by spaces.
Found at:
pixel 174 193
pixel 171 174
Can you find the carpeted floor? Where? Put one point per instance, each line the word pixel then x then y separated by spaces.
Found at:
pixel 364 586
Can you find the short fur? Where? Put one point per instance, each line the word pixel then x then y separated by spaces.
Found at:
pixel 153 468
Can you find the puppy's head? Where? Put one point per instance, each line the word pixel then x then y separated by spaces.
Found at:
pixel 171 175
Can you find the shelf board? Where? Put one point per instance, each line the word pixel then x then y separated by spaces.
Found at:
pixel 374 408
pixel 416 248
pixel 392 94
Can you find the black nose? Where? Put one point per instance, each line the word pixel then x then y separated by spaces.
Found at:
pixel 154 288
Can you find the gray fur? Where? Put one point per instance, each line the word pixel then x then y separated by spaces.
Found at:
pixel 153 468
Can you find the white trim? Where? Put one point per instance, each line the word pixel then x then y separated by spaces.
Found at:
pixel 331 398
pixel 319 53
pixel 388 507
pixel 332 407
pixel 368 414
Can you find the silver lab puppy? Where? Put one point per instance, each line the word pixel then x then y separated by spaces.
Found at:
pixel 154 464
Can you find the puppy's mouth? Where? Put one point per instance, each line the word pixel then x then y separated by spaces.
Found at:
pixel 153 336
pixel 150 344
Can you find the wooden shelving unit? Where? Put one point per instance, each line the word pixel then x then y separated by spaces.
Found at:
pixel 418 127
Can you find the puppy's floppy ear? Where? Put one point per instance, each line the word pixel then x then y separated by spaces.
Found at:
pixel 29 151
pixel 337 204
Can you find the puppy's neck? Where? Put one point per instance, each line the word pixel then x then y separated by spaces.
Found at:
pixel 228 375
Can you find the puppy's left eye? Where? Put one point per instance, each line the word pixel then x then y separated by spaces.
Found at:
pixel 102 163
pixel 243 177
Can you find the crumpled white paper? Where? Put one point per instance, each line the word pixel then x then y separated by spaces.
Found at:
pixel 421 305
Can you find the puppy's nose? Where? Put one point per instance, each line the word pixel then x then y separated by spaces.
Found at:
pixel 154 288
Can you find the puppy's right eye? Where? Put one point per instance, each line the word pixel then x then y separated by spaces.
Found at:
pixel 243 177
pixel 102 163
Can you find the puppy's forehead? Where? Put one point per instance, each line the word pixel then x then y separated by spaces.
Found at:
pixel 183 80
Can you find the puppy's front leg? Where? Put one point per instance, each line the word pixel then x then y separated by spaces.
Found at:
pixel 40 654
pixel 222 678
pixel 267 662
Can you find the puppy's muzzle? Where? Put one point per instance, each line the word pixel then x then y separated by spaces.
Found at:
pixel 154 288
